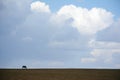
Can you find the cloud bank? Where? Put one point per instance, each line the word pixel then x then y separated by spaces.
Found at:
pixel 39 7
pixel 69 37
pixel 84 20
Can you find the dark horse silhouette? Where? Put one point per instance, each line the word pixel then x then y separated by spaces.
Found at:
pixel 24 67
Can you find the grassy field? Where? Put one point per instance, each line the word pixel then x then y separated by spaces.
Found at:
pixel 59 74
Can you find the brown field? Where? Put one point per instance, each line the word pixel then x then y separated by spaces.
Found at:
pixel 59 74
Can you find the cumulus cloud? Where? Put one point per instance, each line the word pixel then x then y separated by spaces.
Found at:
pixel 35 63
pixel 54 37
pixel 12 14
pixel 84 20
pixel 56 64
pixel 27 39
pixel 40 7
pixel 103 51
pixel 88 60
pixel 108 33
pixel 104 44
pixel 69 44
pixel 46 64
pixel 117 66
pixel 101 55
pixel 105 55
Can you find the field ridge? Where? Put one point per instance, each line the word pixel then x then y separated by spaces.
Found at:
pixel 59 74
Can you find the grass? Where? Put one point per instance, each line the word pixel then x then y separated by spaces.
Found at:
pixel 59 74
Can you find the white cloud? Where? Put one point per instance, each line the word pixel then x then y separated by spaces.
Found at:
pixel 47 64
pixel 79 44
pixel 40 7
pixel 88 60
pixel 103 51
pixel 117 66
pixel 55 64
pixel 56 43
pixel 104 45
pixel 102 55
pixel 36 63
pixel 86 21
pixel 70 18
pixel 100 52
pixel 13 33
pixel 27 39
pixel 110 34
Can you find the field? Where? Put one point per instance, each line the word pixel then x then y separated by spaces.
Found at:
pixel 59 74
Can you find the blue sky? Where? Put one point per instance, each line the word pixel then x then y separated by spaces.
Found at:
pixel 59 33
pixel 111 5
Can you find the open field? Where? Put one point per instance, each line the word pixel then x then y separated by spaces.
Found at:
pixel 59 74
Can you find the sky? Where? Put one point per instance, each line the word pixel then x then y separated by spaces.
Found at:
pixel 60 34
